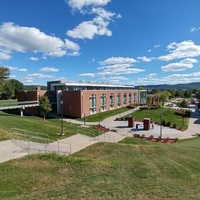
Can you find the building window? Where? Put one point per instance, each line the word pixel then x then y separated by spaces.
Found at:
pixel 135 97
pixel 103 102
pixel 130 97
pixel 119 99
pixel 125 98
pixel 93 103
pixel 112 103
pixel 143 96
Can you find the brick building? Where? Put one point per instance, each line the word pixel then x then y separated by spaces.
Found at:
pixel 79 99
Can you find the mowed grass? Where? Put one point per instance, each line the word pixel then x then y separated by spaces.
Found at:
pixel 132 169
pixel 168 115
pixel 52 127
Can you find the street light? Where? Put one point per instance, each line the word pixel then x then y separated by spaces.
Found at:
pixel 99 116
pixel 70 114
pixel 161 118
pixel 61 132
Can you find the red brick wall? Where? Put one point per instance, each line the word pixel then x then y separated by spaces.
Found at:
pixel 79 101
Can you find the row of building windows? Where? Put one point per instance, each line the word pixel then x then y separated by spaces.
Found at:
pixel 127 99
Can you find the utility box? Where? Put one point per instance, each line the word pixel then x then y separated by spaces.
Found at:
pixel 131 121
pixel 146 122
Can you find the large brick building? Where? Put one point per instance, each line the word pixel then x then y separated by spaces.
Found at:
pixel 79 99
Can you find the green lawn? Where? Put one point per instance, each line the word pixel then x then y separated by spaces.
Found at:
pixel 104 115
pixel 52 127
pixel 168 115
pixel 132 169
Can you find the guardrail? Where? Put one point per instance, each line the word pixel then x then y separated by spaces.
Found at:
pixel 86 131
pixel 39 142
pixel 106 138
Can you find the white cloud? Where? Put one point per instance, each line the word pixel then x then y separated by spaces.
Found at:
pixel 17 69
pixel 5 56
pixel 187 63
pixel 30 78
pixel 30 39
pixel 80 4
pixel 22 70
pixel 98 26
pixel 118 66
pixel 122 78
pixel 118 60
pixel 87 74
pixel 48 69
pixel 157 46
pixel 145 59
pixel 183 49
pixel 195 29
pixel 34 58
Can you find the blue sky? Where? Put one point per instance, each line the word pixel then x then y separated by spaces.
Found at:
pixel 135 42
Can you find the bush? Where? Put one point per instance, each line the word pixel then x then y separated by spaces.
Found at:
pixel 168 123
pixel 174 125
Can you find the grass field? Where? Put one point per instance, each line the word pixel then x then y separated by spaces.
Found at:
pixel 52 127
pixel 168 115
pixel 131 169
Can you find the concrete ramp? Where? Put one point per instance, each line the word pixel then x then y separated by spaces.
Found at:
pixel 9 150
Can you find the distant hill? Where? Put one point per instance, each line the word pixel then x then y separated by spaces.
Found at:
pixel 187 86
pixel 33 87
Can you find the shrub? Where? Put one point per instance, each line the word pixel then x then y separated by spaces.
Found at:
pixel 168 123
pixel 174 125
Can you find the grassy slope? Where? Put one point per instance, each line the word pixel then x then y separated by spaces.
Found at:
pixel 132 169
pixel 36 124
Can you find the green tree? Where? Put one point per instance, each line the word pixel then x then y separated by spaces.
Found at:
pixel 44 106
pixel 17 86
pixel 7 91
pixel 183 104
pixel 163 97
pixel 149 101
pixel 4 75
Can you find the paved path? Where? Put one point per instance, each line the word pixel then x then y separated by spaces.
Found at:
pixel 11 149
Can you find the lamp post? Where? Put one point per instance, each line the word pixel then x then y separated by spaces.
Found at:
pixel 61 132
pixel 70 114
pixel 161 118
pixel 99 117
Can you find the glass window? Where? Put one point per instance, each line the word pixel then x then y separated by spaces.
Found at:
pixel 119 99
pixel 93 103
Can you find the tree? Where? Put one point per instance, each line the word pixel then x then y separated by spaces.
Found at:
pixel 7 91
pixel 183 104
pixel 17 86
pixel 4 75
pixel 163 97
pixel 44 106
pixel 149 101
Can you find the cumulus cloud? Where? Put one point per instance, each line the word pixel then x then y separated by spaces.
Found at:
pixel 118 66
pixel 187 63
pixel 87 74
pixel 30 39
pixel 5 56
pixel 34 58
pixel 17 69
pixel 49 69
pixel 145 59
pixel 79 5
pixel 98 26
pixel 183 49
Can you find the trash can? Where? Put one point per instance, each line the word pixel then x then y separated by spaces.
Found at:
pixel 146 122
pixel 131 121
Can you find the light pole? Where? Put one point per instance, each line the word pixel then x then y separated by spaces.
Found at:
pixel 70 114
pixel 99 116
pixel 161 118
pixel 61 133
